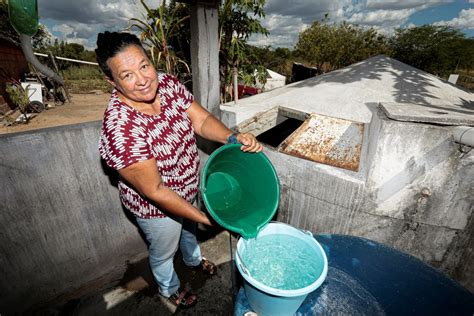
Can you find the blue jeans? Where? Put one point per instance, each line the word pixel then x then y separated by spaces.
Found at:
pixel 164 235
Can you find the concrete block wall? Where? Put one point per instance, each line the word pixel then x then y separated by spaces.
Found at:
pixel 312 198
pixel 62 224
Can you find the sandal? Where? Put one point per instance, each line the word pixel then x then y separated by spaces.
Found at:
pixel 206 266
pixel 183 298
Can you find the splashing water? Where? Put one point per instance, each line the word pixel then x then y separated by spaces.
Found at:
pixel 282 261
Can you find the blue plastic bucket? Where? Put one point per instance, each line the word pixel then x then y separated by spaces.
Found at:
pixel 265 300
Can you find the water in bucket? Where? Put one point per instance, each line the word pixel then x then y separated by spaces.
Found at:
pixel 282 261
pixel 280 267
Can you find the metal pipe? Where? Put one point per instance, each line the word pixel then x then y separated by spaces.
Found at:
pixel 31 58
pixel 464 135
pixel 69 59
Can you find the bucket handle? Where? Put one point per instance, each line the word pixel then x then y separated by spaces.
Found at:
pixel 307 232
pixel 304 231
pixel 244 269
pixel 242 264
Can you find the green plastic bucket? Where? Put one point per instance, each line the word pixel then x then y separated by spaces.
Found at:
pixel 24 16
pixel 240 190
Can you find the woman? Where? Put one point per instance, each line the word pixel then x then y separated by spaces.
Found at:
pixel 148 135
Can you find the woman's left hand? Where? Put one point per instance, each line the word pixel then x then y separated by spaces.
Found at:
pixel 249 142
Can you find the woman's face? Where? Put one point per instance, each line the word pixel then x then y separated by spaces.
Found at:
pixel 133 74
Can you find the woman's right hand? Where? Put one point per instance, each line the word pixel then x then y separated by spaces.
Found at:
pixel 206 220
pixel 249 142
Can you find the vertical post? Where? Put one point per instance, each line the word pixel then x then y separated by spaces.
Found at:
pixel 205 54
pixel 236 84
pixel 56 88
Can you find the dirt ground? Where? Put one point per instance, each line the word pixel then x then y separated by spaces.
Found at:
pixel 82 108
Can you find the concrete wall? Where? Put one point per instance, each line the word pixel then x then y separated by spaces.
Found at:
pixel 62 224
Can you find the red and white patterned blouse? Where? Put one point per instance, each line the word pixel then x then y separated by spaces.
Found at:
pixel 129 136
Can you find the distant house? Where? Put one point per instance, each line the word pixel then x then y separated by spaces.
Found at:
pixel 12 64
pixel 301 72
pixel 274 80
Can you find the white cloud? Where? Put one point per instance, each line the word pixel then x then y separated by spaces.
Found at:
pixel 107 12
pixel 64 29
pixel 75 33
pixel 465 20
pixel 84 42
pixel 284 24
pixel 81 21
pixel 381 16
pixel 283 31
pixel 405 4
pixel 308 11
pixel 287 18
pixel 385 16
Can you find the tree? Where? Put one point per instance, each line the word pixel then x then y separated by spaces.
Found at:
pixel 333 46
pixel 67 50
pixel 238 20
pixel 165 32
pixel 88 55
pixel 439 50
pixel 278 59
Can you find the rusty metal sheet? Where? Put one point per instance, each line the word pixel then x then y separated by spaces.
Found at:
pixel 332 141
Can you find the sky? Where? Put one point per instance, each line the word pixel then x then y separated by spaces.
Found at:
pixel 79 21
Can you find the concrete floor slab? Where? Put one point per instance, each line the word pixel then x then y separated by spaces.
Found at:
pixel 137 293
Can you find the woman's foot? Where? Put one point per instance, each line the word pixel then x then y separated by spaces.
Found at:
pixel 206 266
pixel 183 298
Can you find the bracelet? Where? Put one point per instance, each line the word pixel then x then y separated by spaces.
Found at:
pixel 232 139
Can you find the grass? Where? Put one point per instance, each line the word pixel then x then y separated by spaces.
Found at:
pixel 87 85
pixel 83 79
pixel 83 72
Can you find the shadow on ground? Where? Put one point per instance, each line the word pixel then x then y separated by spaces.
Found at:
pixel 137 293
